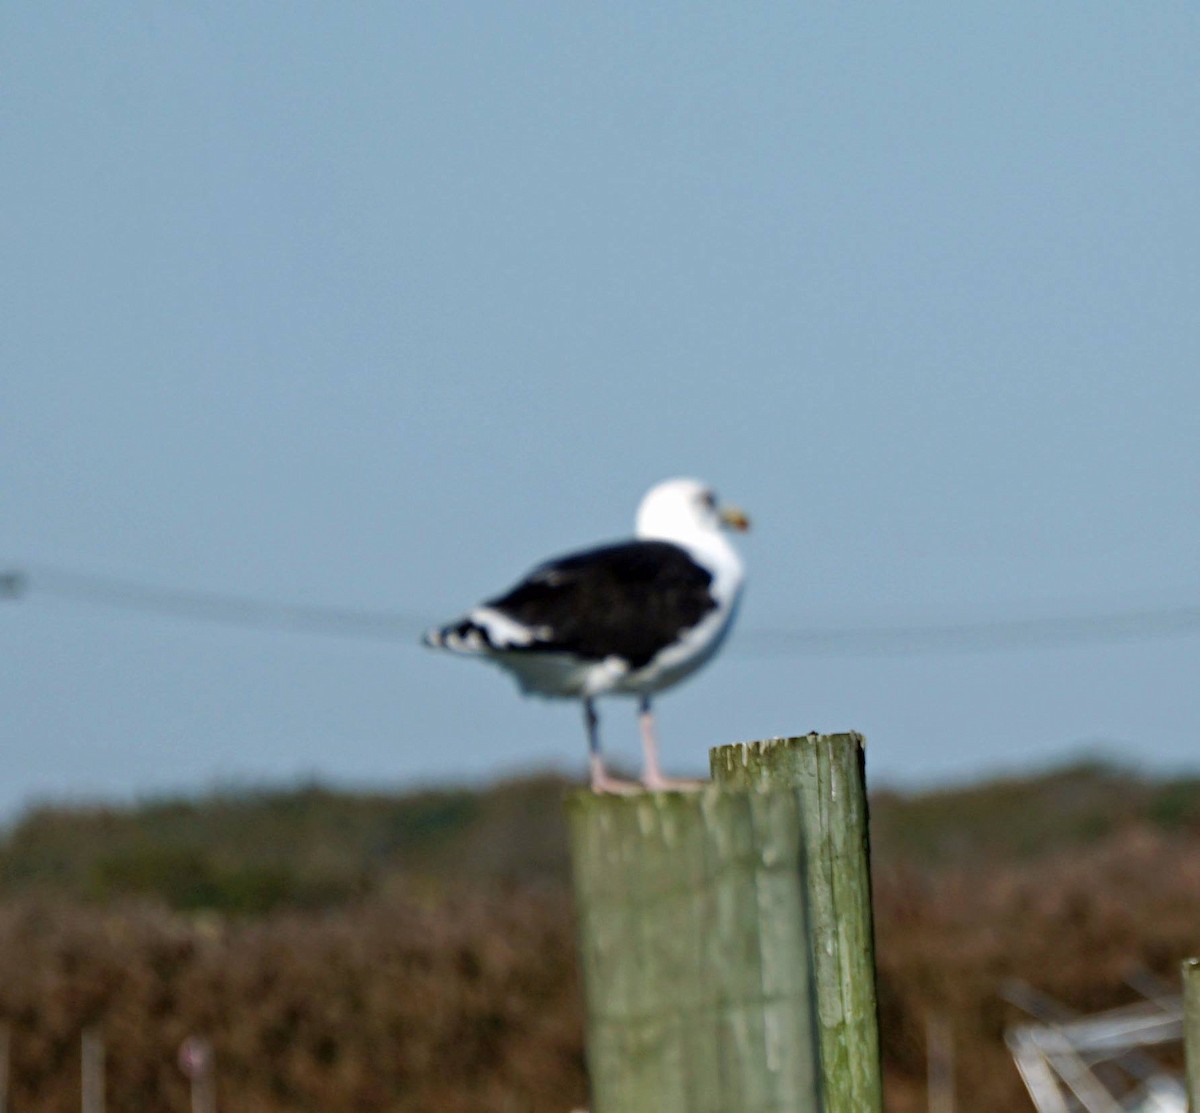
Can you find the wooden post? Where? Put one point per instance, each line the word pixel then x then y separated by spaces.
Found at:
pixel 1191 1028
pixel 828 774
pixel 939 1063
pixel 5 1060
pixel 92 1073
pixel 693 935
pixel 196 1061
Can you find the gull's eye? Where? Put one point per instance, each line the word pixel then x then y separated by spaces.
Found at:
pixel 709 500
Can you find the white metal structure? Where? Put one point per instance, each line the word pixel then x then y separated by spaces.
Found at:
pixel 1097 1063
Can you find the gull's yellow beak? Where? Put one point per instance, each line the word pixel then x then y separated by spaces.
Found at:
pixel 734 518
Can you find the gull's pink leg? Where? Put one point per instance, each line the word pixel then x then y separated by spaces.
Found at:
pixel 652 774
pixel 601 780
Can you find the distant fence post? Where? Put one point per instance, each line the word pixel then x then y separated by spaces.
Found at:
pixel 939 1060
pixel 694 943
pixel 196 1061
pixel 92 1073
pixel 1191 1028
pixel 5 1059
pixel 828 774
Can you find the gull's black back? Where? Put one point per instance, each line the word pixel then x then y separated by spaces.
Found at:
pixel 627 600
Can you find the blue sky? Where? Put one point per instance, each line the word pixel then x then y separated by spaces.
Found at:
pixel 377 306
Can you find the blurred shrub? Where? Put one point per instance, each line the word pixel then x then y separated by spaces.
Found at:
pixel 416 953
pixel 187 879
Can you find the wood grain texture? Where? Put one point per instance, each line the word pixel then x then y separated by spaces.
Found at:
pixel 1191 1028
pixel 693 935
pixel 827 772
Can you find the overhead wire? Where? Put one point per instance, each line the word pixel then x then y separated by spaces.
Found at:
pixel 895 640
pixel 124 594
pixel 974 637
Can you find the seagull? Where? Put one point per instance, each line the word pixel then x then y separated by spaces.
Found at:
pixel 631 618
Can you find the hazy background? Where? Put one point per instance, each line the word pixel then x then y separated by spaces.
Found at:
pixel 377 306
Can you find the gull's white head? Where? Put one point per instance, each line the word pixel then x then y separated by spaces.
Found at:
pixel 685 510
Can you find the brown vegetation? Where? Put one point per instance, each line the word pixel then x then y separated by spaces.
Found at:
pixel 1074 924
pixel 461 1005
pixel 366 953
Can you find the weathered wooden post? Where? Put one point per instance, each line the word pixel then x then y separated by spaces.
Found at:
pixel 694 941
pixel 828 774
pixel 196 1061
pixel 92 1073
pixel 5 1045
pixel 939 1060
pixel 1191 1028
